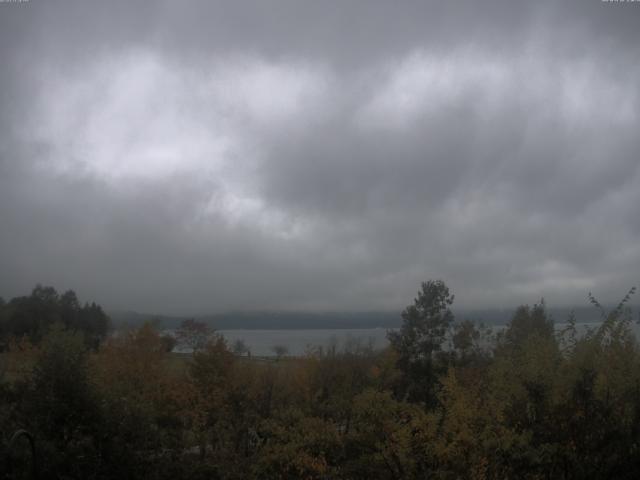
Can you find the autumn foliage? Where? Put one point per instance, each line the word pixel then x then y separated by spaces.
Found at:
pixel 445 400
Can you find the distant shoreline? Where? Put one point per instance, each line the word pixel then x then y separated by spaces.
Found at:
pixel 335 320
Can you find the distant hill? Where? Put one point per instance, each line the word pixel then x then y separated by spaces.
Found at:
pixel 128 319
pixel 266 320
pixel 334 320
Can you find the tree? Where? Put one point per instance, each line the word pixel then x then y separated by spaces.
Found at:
pixel 388 439
pixel 471 343
pixel 136 390
pixel 280 351
pixel 193 334
pixel 34 315
pixel 168 343
pixel 425 326
pixel 528 322
pixel 240 348
pixel 60 406
pixel 465 337
pixel 210 374
pixel 94 323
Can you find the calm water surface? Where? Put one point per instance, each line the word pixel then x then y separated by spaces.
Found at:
pixel 298 342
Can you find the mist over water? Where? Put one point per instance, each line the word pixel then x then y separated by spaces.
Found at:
pixel 261 343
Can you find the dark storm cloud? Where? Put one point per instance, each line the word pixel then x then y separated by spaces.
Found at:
pixel 201 156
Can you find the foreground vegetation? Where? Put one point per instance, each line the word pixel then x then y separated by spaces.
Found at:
pixel 444 401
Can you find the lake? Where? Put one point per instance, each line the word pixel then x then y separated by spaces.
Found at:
pixel 298 341
pixel 261 342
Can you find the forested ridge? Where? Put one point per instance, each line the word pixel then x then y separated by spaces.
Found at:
pixel 274 320
pixel 447 399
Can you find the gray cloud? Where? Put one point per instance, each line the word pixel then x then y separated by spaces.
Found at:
pixel 208 156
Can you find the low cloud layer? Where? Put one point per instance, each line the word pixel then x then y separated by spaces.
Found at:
pixel 201 157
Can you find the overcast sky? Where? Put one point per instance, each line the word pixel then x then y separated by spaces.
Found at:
pixel 192 157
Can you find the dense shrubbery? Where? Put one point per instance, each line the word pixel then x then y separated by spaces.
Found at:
pixel 444 401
